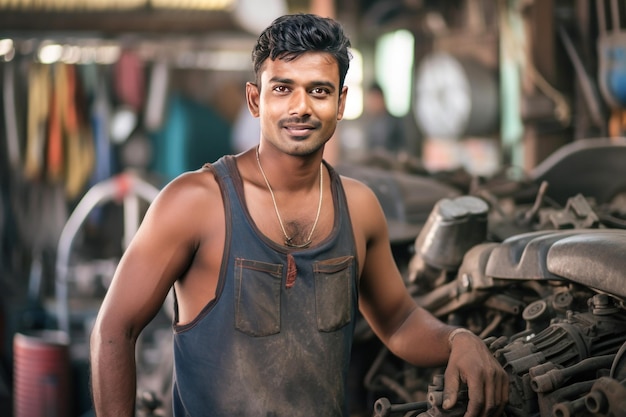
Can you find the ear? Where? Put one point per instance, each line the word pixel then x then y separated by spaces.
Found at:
pixel 252 98
pixel 342 102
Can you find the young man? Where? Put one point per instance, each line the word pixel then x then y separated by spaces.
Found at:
pixel 271 253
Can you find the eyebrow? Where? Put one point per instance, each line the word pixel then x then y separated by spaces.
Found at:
pixel 312 84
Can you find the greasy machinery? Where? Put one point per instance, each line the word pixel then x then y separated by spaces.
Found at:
pixel 542 283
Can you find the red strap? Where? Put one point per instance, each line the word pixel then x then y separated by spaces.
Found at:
pixel 292 271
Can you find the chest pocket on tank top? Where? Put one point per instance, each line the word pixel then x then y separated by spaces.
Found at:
pixel 333 292
pixel 257 297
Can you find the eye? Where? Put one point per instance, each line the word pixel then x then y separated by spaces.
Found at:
pixel 282 89
pixel 320 91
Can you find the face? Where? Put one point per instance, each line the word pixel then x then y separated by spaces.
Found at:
pixel 298 102
pixel 375 102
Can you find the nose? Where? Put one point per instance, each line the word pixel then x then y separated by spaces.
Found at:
pixel 300 103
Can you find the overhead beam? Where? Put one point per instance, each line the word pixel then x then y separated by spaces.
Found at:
pixel 155 21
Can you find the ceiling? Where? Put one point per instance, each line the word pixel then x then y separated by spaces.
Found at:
pixel 112 17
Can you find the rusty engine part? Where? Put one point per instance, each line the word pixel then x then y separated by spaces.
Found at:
pixel 549 300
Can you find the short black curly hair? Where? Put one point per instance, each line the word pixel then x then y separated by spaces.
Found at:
pixel 292 35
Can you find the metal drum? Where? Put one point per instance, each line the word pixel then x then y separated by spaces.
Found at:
pixel 41 376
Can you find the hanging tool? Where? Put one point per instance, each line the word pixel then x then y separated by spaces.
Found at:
pixel 588 88
pixel 611 57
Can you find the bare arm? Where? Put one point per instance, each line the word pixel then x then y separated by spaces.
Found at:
pixel 158 255
pixel 408 330
pixel 411 332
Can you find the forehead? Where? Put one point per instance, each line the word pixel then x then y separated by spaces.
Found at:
pixel 311 66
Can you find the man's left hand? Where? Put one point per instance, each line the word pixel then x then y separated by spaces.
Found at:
pixel 472 363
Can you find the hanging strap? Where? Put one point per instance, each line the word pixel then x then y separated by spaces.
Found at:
pixel 157 96
pixel 10 115
pixel 38 105
pixel 129 80
pixel 58 106
pixel 80 152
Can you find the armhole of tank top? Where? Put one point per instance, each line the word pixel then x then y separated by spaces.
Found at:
pixel 342 199
pixel 221 182
pixel 227 238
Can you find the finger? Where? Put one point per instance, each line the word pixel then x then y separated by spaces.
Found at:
pixel 451 386
pixel 493 394
pixel 496 393
pixel 476 394
pixel 503 393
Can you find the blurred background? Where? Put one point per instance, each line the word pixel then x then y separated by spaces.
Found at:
pixel 105 101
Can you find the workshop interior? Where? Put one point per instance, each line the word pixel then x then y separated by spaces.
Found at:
pixel 504 188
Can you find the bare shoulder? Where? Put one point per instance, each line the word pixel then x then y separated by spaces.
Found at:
pixel 365 210
pixel 356 190
pixel 189 189
pixel 361 196
pixel 186 202
pixel 193 184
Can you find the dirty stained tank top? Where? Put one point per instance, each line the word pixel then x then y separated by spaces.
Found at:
pixel 271 344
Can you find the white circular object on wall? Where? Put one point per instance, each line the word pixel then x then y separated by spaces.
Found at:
pixel 254 15
pixel 454 97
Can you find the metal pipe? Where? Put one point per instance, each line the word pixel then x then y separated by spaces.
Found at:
pixel 553 379
pixel 121 186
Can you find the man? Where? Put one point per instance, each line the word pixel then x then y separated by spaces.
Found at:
pixel 270 253
pixel 383 131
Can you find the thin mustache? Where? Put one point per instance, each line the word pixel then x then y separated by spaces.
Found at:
pixel 299 121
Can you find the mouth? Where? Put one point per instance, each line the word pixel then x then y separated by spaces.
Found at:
pixel 298 128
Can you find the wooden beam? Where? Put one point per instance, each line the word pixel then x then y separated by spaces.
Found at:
pixel 156 21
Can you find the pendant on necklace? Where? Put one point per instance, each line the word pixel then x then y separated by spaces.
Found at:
pixel 290 244
pixel 289 240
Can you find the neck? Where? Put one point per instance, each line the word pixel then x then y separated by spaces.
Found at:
pixel 293 236
pixel 290 173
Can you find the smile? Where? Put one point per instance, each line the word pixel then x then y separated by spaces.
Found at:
pixel 299 130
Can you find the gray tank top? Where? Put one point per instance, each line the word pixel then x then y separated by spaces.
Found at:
pixel 276 339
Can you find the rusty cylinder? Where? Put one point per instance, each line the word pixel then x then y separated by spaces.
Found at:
pixel 41 374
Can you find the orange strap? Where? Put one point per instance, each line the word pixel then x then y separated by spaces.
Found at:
pixel 58 103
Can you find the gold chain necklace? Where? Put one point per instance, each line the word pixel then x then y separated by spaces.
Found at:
pixel 288 240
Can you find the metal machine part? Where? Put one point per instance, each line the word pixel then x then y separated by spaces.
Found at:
pixel 154 359
pixel 462 220
pixel 126 187
pixel 550 303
